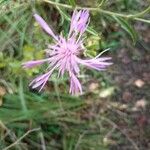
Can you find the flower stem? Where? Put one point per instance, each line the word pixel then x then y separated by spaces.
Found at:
pixel 128 16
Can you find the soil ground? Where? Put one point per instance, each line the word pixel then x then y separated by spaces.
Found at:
pixel 131 74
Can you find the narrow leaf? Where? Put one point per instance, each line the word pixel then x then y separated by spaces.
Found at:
pixel 127 27
pixel 72 2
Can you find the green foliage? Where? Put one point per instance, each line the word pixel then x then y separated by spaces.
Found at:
pixel 72 2
pixel 65 122
pixel 127 27
pixel 55 118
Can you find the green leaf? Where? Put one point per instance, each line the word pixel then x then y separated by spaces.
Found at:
pixel 127 27
pixel 92 31
pixel 3 1
pixel 72 2
pixel 101 3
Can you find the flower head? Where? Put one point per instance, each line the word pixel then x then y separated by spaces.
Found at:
pixel 63 55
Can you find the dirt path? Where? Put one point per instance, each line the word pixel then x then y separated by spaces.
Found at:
pixel 131 74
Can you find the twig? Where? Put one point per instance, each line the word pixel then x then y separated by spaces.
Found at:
pixel 110 132
pixel 10 134
pixel 129 16
pixel 17 141
pixel 8 87
pixel 124 133
pixel 42 141
pixel 79 140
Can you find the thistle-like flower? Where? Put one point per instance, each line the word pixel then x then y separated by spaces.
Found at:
pixel 63 54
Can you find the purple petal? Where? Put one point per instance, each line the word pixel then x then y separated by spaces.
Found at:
pixel 45 26
pixel 98 64
pixel 41 80
pixel 79 22
pixel 75 86
pixel 33 63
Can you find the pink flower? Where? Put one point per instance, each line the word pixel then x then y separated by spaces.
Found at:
pixel 63 54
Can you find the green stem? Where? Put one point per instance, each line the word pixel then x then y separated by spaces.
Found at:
pixel 142 20
pixel 102 2
pixel 133 16
pixel 142 13
pixel 21 94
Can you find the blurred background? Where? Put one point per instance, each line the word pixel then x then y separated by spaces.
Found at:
pixel 113 113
